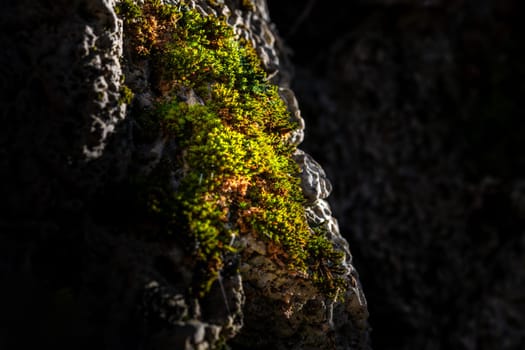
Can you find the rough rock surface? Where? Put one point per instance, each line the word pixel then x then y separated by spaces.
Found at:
pixel 415 110
pixel 74 264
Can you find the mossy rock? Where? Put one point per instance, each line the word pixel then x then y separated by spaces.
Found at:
pixel 232 155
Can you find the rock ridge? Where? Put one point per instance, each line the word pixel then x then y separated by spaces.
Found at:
pixel 66 222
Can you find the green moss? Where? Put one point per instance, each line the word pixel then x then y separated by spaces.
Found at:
pixel 126 95
pixel 238 176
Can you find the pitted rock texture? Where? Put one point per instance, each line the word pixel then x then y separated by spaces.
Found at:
pixel 75 261
pixel 314 183
pixel 65 50
pixel 297 135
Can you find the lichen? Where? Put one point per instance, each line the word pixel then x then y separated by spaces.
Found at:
pixel 236 172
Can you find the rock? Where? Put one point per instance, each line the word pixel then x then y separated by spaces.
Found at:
pixel 297 136
pixel 85 256
pixel 314 182
pixel 318 212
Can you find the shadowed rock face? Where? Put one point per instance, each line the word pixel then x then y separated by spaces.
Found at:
pixel 79 265
pixel 414 109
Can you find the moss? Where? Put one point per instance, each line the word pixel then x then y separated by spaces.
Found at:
pixel 126 95
pixel 238 176
pixel 248 5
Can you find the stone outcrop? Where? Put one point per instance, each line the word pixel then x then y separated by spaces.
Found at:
pixel 79 261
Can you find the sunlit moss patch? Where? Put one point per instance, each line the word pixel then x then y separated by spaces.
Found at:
pixel 236 172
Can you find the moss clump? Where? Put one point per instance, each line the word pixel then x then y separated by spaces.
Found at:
pixel 238 176
pixel 126 95
pixel 248 5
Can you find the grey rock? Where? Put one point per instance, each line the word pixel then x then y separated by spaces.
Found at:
pixel 189 335
pixel 314 182
pixel 297 136
pixel 318 212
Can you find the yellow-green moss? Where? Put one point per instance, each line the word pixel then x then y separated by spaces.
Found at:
pixel 248 5
pixel 126 95
pixel 238 176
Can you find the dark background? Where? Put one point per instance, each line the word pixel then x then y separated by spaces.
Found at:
pixel 416 111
